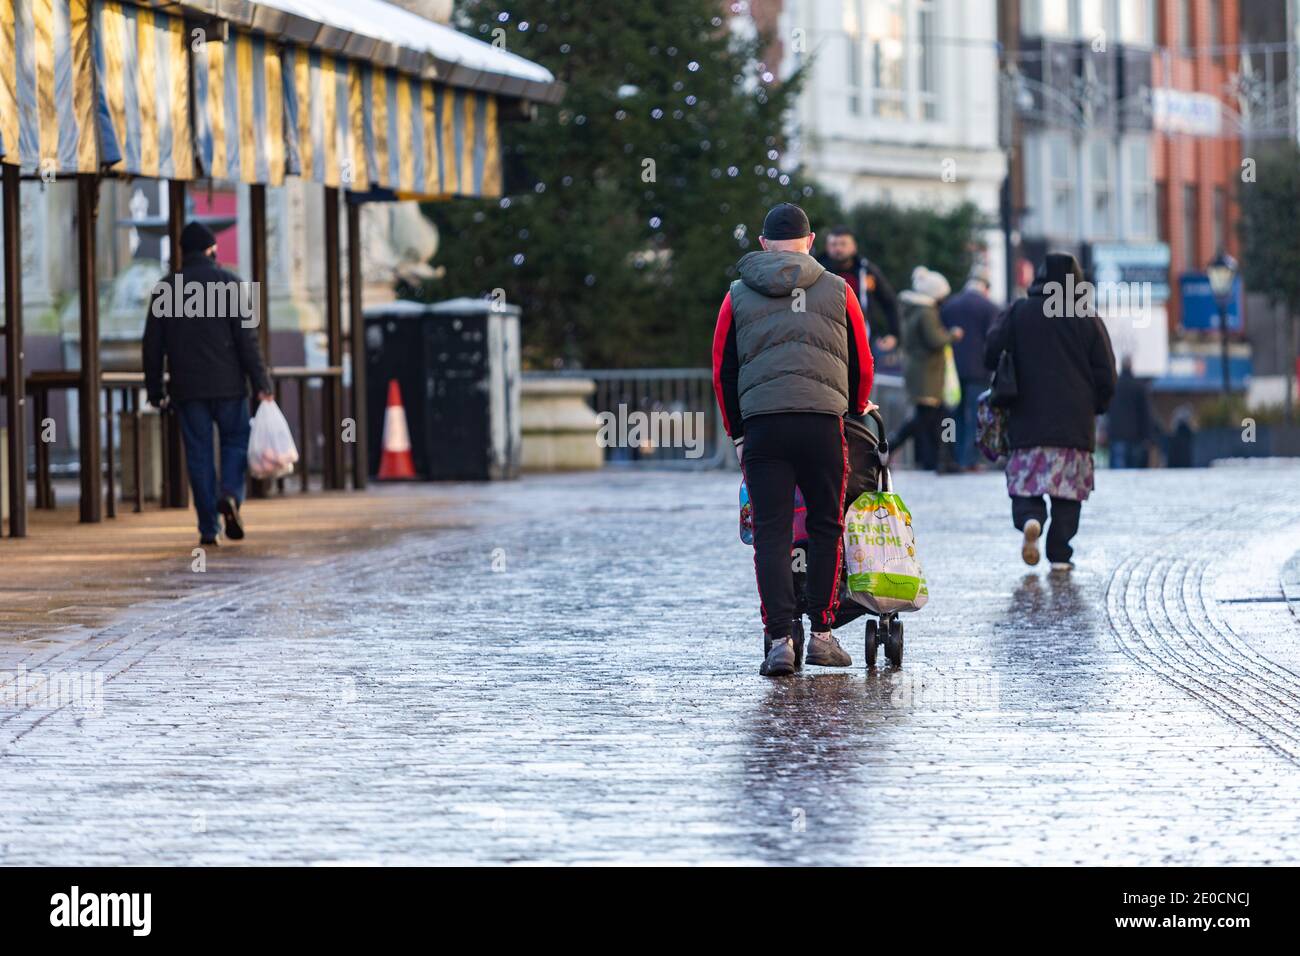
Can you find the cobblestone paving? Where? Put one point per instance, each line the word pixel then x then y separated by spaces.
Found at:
pixel 574 679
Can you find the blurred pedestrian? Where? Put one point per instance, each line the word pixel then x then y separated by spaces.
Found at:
pixel 1064 377
pixel 971 311
pixel 1130 423
pixel 200 328
pixel 924 339
pixel 790 358
pixel 867 283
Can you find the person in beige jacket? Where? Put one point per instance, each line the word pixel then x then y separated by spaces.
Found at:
pixel 924 339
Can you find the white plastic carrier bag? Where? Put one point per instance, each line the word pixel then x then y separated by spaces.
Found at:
pixel 880 554
pixel 271 451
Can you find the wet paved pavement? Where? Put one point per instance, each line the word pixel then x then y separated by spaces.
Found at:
pixel 575 680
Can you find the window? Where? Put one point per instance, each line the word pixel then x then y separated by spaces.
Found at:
pixel 1053 17
pixel 1191 260
pixel 853 36
pixel 896 46
pixel 926 84
pixel 1061 201
pixel 1103 220
pixel 1220 225
pixel 1184 25
pixel 1135 22
pixel 1139 188
pixel 887 36
pixel 1092 18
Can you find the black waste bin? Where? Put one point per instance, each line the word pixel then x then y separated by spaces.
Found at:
pixel 457 364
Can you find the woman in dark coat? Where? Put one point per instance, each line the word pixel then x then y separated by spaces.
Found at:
pixel 1065 376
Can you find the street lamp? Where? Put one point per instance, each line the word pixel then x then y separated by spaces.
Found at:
pixel 1222 273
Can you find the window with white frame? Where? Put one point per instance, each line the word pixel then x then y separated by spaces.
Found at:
pixel 1101 188
pixel 1093 18
pixel 1141 188
pixel 894 64
pixel 1136 22
pixel 887 42
pixel 853 36
pixel 1130 21
pixel 1061 180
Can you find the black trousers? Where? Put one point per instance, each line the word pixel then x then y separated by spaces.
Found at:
pixel 923 428
pixel 1063 527
pixel 783 451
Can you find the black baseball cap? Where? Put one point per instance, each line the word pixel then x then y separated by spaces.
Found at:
pixel 786 221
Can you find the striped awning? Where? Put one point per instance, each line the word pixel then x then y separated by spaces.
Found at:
pixel 362 127
pixel 323 118
pixel 47 108
pixel 142 63
pixel 239 109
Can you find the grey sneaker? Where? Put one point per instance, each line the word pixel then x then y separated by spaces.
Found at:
pixel 825 650
pixel 780 659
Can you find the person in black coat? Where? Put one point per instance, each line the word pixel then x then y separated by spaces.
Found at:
pixel 1130 423
pixel 202 325
pixel 1065 376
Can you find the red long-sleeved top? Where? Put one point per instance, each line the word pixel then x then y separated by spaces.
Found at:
pixel 726 364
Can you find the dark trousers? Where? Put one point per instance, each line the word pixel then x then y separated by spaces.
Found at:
pixel 966 453
pixel 923 429
pixel 1128 454
pixel 783 451
pixel 197 418
pixel 1063 527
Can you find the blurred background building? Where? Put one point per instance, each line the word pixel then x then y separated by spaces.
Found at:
pixel 900 105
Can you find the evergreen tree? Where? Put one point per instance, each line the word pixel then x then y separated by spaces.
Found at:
pixel 628 204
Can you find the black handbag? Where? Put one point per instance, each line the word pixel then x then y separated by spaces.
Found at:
pixel 1004 390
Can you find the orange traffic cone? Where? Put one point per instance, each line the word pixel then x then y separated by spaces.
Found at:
pixel 396 463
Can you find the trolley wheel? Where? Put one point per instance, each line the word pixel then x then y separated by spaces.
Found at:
pixel 873 635
pixel 894 643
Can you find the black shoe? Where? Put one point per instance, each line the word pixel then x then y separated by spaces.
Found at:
pixel 780 659
pixel 209 543
pixel 229 509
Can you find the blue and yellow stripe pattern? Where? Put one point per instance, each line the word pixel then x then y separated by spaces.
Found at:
pixel 362 127
pixel 144 91
pixel 239 109
pixel 47 107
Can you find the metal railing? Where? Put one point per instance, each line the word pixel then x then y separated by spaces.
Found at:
pixel 123 393
pixel 683 400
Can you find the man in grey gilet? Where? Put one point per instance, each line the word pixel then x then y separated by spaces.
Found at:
pixel 790 358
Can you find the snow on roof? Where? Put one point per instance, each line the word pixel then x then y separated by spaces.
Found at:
pixel 361 27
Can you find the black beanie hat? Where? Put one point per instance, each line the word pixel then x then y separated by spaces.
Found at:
pixel 196 237
pixel 786 221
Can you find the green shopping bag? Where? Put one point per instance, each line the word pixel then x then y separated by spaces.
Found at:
pixel 880 554
pixel 951 382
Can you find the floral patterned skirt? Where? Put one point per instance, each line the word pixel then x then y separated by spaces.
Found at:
pixel 1058 472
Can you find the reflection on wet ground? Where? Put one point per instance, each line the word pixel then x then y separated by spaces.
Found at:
pixel 575 680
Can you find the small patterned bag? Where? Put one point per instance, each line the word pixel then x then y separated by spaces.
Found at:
pixel 991 429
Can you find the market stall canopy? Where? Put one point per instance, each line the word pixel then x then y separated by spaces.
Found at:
pixel 143 69
pixel 47 106
pixel 356 94
pixel 386 35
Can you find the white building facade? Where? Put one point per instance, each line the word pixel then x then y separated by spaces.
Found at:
pixel 901 104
